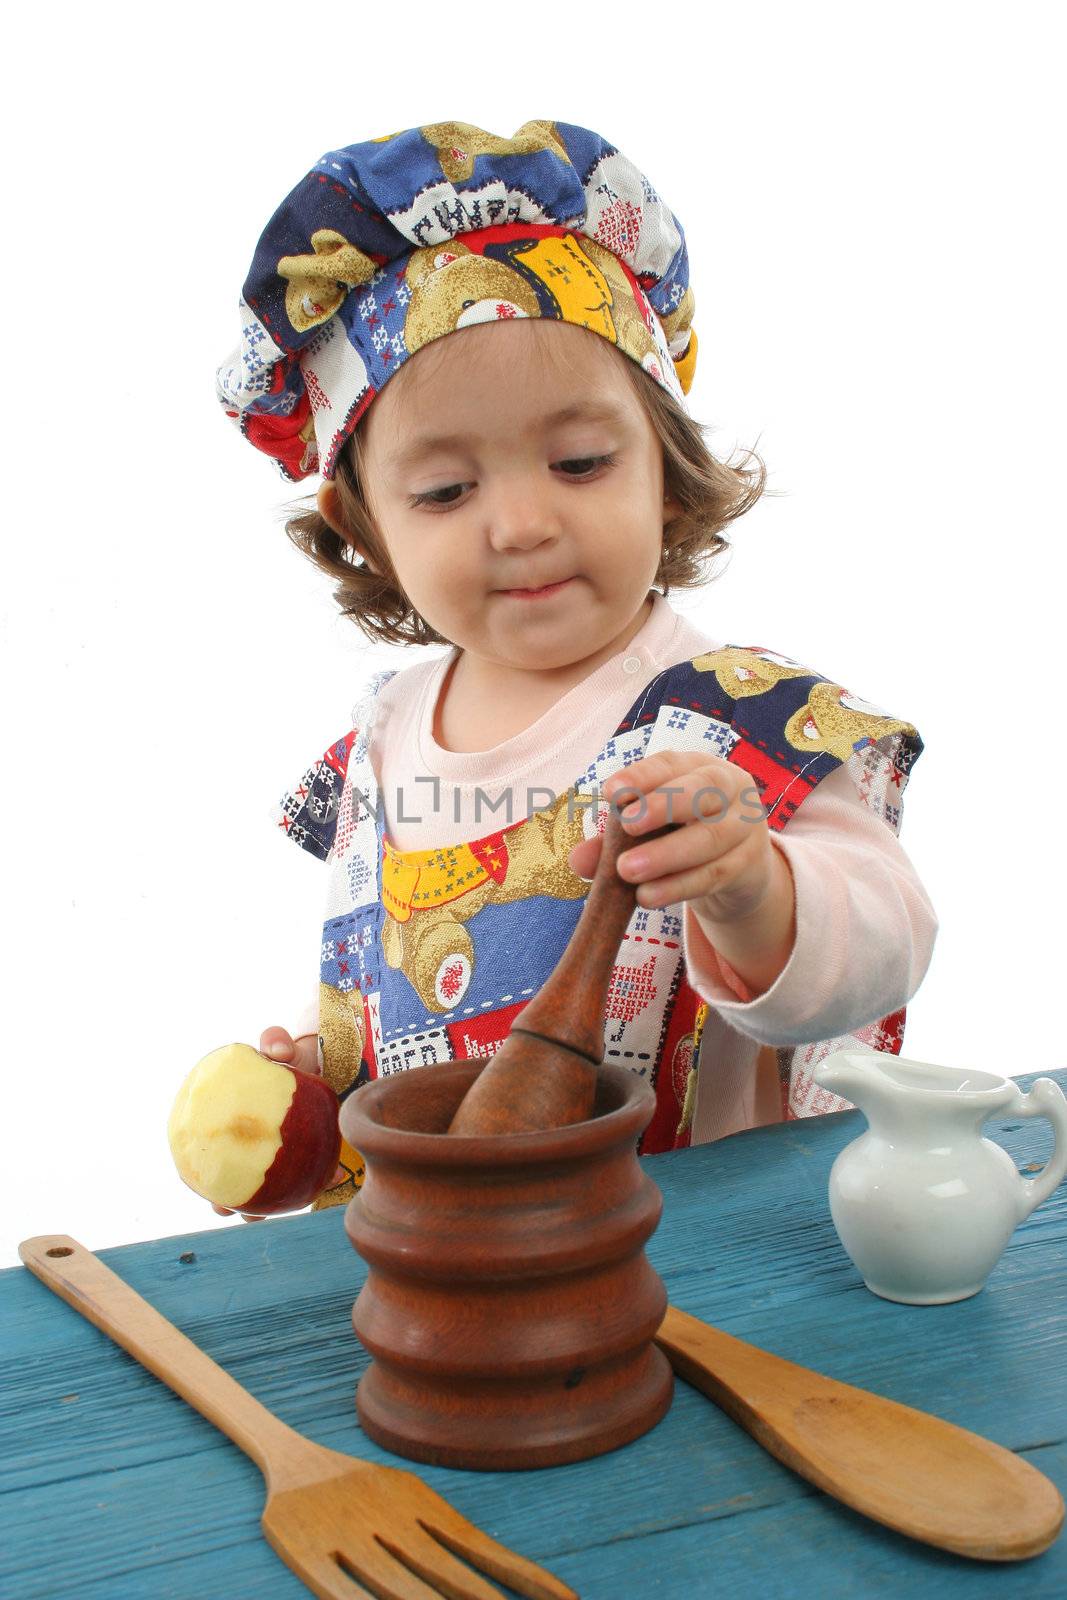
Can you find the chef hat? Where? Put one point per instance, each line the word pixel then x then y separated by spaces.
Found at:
pixel 389 244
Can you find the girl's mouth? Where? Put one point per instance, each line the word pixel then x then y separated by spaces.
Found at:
pixel 537 594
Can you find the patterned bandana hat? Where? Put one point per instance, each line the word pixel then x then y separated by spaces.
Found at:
pixel 387 245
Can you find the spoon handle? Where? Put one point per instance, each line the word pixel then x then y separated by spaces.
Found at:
pixel 924 1477
pixel 80 1278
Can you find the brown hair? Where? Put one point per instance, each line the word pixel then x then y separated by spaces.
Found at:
pixel 712 494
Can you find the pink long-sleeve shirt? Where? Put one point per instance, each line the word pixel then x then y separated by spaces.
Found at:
pixel 865 927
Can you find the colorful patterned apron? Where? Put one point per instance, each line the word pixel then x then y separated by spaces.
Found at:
pixel 430 955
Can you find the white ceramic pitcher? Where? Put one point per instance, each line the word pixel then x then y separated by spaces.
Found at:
pixel 923 1203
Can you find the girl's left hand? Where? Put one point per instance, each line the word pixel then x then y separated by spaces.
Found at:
pixel 720 858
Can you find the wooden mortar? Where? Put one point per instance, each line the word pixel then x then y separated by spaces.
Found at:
pixel 509 1307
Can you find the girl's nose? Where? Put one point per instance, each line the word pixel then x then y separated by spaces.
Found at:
pixel 520 514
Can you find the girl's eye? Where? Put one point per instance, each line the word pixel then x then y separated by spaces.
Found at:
pixel 438 497
pixel 584 466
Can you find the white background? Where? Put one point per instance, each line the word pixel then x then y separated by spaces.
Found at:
pixel 872 198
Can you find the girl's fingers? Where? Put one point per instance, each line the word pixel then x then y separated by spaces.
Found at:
pixel 584 857
pixel 676 867
pixel 690 798
pixel 302 1053
pixel 691 885
pixel 276 1043
pixel 678 850
pixel 306 1054
pixel 654 811
pixel 687 798
pixel 223 1212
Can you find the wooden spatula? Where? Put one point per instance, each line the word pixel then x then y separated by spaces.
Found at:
pixel 337 1521
pixel 915 1473
pixel 544 1074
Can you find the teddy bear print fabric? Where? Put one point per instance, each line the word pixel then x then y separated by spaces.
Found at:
pixel 388 244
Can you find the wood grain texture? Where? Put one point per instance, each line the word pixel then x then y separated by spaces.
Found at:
pixel 906 1468
pixel 509 1304
pixel 333 1518
pixel 123 1492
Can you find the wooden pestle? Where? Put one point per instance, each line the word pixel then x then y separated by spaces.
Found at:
pixel 544 1074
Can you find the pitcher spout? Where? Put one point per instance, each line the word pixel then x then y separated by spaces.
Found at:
pixel 848 1073
pixel 879 1082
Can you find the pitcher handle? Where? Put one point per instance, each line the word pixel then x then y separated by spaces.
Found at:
pixel 1045 1099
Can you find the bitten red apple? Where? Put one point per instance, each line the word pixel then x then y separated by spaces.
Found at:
pixel 254 1134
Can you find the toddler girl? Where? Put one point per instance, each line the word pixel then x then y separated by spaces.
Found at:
pixel 525 495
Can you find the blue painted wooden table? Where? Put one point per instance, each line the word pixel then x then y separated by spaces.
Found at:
pixel 111 1488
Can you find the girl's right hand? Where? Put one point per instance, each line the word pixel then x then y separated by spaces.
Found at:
pixel 303 1055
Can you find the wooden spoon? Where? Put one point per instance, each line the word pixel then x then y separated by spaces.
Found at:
pixel 915 1473
pixel 544 1074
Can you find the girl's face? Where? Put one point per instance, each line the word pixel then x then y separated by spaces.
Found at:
pixel 510 457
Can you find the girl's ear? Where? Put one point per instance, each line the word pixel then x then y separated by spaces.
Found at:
pixel 329 504
pixel 672 508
